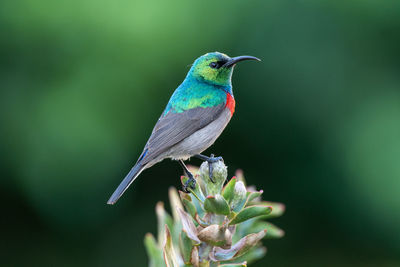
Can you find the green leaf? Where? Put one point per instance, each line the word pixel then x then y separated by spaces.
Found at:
pixel 227 191
pixel 253 195
pixel 199 206
pixel 250 212
pixel 216 204
pixel 252 255
pixel 188 204
pixel 153 251
pixel 272 230
pixel 204 255
pixel 186 246
pixel 175 203
pixel 184 195
pixel 168 251
pixel 206 263
pixel 277 209
pixel 163 218
pixel 196 191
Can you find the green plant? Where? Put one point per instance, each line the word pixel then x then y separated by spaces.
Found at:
pixel 213 225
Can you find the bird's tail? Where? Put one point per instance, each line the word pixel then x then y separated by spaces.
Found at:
pixel 128 180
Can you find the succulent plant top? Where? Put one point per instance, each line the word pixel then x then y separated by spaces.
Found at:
pixel 214 224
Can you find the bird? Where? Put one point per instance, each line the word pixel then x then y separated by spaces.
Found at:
pixel 195 116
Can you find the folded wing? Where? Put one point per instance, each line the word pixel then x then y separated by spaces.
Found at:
pixel 172 128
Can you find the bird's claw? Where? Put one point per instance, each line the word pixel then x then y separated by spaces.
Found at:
pixel 191 183
pixel 211 160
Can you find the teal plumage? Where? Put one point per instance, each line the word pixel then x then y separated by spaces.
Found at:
pixel 193 93
pixel 194 117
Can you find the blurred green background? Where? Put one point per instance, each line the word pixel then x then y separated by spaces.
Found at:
pixel 317 123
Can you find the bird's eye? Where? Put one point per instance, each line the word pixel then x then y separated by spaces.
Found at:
pixel 214 65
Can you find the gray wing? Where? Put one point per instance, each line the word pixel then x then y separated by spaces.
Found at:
pixel 174 127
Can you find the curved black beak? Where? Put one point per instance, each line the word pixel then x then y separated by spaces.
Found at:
pixel 235 60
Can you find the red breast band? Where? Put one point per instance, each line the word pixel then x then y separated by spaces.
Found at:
pixel 230 103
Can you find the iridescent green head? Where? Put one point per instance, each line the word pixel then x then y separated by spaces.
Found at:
pixel 216 68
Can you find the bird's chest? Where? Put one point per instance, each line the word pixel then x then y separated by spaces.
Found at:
pixel 203 138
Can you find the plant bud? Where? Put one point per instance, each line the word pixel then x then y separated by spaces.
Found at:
pixel 239 196
pixel 219 175
pixel 213 234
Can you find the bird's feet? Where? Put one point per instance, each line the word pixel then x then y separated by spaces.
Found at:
pixel 191 183
pixel 211 159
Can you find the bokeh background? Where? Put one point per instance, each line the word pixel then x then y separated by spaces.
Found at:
pixel 317 123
